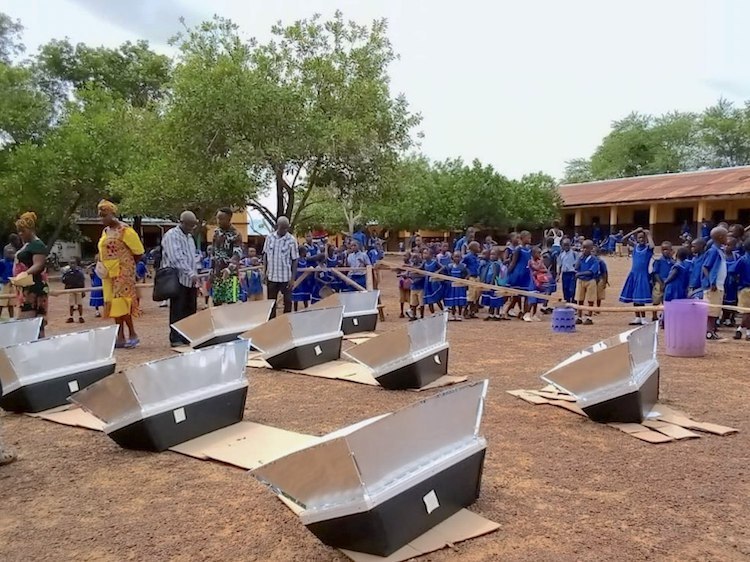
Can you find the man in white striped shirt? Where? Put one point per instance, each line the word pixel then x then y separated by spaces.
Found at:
pixel 178 251
pixel 280 255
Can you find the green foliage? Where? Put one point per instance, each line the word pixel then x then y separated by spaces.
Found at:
pixel 674 142
pixel 10 42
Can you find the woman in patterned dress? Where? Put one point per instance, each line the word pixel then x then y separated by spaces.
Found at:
pixel 31 261
pixel 119 250
pixel 227 242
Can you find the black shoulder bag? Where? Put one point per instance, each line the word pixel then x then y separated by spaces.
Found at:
pixel 166 282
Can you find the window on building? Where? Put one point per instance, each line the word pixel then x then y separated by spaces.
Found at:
pixel 717 216
pixel 595 220
pixel 570 219
pixel 683 214
pixel 743 216
pixel 640 218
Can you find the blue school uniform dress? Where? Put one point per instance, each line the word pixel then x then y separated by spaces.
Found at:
pixel 141 271
pixel 743 272
pixel 520 277
pixel 456 294
pixel 730 285
pixel 637 288
pixel 678 287
pixel 303 291
pixel 611 243
pixel 96 298
pixel 328 278
pixel 254 282
pixel 471 261
pixel 433 289
pixel 488 274
pixel 695 290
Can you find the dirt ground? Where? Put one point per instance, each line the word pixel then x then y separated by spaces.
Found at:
pixel 561 487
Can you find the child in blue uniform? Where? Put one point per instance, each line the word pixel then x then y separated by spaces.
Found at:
pixel 566 270
pixel 518 270
pixel 540 277
pixel 455 297
pixel 660 269
pixel 488 274
pixel 698 249
pixel 302 293
pixel 471 261
pixel 602 280
pixel 416 295
pixel 253 278
pixel 7 292
pixel 730 285
pixel 637 288
pixel 713 278
pixel 676 283
pixel 96 297
pixel 743 290
pixel 433 293
pixel 587 272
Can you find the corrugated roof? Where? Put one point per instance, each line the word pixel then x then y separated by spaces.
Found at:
pixel 685 185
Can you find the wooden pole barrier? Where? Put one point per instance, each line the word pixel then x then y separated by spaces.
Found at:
pixel 518 292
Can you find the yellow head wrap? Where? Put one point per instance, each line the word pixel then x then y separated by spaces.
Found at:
pixel 107 206
pixel 27 221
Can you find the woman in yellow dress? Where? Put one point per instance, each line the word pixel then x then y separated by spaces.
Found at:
pixel 119 250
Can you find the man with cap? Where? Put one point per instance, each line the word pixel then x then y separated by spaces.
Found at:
pixel 178 251
pixel 280 255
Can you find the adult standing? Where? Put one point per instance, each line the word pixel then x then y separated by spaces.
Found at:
pixel 31 261
pixel 178 251
pixel 280 255
pixel 120 249
pixel 227 242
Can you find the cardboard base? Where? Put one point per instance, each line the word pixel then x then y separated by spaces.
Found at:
pixel 665 424
pixel 167 429
pixel 306 356
pixel 52 393
pixel 393 524
pixel 633 407
pixel 357 324
pixel 417 375
pixel 250 445
pixel 356 372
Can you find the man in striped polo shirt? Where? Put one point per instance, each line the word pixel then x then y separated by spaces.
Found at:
pixel 280 255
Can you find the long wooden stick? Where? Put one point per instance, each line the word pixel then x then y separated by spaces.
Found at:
pixel 348 280
pixel 510 291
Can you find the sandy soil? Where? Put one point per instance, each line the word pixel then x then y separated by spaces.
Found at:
pixel 562 487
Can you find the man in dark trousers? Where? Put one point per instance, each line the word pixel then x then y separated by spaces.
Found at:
pixel 178 251
pixel 280 255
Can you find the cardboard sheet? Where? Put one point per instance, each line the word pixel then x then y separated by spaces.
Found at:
pixel 360 336
pixel 666 424
pixel 356 372
pixel 74 417
pixel 462 526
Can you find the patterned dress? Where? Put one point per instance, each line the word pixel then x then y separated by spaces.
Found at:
pixel 226 243
pixel 117 248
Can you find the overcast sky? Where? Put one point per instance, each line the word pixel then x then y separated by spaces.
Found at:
pixel 524 86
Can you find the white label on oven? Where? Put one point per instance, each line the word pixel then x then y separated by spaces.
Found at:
pixel 73 386
pixel 431 502
pixel 318 351
pixel 179 415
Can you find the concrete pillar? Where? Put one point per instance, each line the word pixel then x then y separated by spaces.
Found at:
pixel 612 217
pixel 579 219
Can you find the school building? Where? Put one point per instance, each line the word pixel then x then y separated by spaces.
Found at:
pixel 662 202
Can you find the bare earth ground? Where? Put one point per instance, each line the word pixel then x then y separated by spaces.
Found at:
pixel 562 487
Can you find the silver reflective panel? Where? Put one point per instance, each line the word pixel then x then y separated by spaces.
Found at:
pixel 158 386
pixel 57 356
pixel 357 303
pixel 609 368
pixel 402 346
pixel 19 331
pixel 354 469
pixel 300 328
pixel 218 321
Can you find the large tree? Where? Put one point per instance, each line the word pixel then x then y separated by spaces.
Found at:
pixel 309 110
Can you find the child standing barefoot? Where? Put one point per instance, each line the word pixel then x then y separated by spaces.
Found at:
pixel 455 297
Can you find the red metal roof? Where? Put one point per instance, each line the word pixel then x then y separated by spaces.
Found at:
pixel 687 185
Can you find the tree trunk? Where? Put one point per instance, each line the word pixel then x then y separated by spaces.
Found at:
pixel 62 221
pixel 138 225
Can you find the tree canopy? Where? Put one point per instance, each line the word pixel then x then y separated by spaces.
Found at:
pixel 643 144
